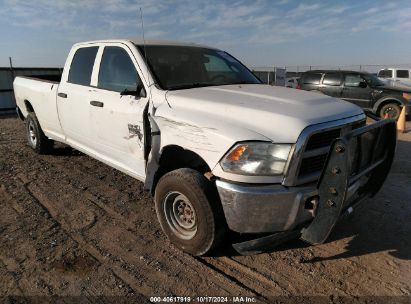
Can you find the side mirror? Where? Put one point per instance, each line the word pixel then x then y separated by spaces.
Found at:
pixel 363 84
pixel 139 92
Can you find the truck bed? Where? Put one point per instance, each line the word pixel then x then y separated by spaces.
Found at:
pixel 39 94
pixel 48 78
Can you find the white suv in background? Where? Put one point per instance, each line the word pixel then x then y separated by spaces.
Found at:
pixel 292 82
pixel 395 76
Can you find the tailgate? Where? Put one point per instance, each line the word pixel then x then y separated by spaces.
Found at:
pixel 360 159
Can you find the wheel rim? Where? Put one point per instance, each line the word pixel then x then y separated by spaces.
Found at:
pixel 391 112
pixel 180 215
pixel 32 134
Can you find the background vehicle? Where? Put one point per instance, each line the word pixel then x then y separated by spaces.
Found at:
pixel 360 88
pixel 395 76
pixel 216 148
pixel 292 82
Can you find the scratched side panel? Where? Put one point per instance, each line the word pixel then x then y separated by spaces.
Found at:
pixel 206 135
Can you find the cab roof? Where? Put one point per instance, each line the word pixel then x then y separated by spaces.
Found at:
pixel 140 42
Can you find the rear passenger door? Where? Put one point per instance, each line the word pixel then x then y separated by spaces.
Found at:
pixel 74 94
pixel 354 92
pixel 116 120
pixel 332 84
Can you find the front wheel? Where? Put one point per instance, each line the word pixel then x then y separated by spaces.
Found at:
pixel 189 211
pixel 390 110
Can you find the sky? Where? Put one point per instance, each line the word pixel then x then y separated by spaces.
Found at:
pixel 259 33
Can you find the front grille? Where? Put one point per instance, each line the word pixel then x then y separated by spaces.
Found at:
pixel 323 139
pixel 312 165
pixel 316 150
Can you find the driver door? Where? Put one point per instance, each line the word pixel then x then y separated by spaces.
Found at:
pixel 354 92
pixel 117 121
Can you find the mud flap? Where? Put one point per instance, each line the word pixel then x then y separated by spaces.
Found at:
pixel 364 153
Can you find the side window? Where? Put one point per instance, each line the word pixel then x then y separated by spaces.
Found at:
pixel 82 66
pixel 217 67
pixel 403 74
pixel 385 74
pixel 353 80
pixel 216 64
pixel 332 79
pixel 312 78
pixel 117 71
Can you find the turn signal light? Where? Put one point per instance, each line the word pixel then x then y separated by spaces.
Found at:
pixel 236 153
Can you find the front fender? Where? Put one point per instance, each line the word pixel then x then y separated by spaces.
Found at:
pixel 206 135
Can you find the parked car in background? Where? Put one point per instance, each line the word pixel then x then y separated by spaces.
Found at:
pixel 292 82
pixel 395 76
pixel 361 88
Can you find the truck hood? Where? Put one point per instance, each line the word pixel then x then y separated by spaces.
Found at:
pixel 279 114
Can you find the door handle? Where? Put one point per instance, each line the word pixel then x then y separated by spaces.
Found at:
pixel 62 95
pixel 96 103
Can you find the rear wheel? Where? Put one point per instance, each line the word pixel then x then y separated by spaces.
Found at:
pixel 390 110
pixel 35 135
pixel 189 211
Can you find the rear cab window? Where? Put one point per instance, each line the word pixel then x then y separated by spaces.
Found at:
pixel 81 66
pixel 332 79
pixel 312 78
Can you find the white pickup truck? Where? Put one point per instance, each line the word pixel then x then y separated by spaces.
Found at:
pixel 222 153
pixel 395 77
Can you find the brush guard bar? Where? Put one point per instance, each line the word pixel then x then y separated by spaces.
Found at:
pixel 363 156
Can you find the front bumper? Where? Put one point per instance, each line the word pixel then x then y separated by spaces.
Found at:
pixel 270 208
pixel 261 209
pixel 356 167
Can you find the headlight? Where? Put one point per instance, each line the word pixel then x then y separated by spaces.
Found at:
pixel 256 158
pixel 407 96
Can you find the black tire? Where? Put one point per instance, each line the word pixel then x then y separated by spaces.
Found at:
pixel 393 110
pixel 188 189
pixel 35 136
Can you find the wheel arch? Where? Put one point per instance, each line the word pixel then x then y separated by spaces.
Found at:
pixel 383 101
pixel 29 106
pixel 174 157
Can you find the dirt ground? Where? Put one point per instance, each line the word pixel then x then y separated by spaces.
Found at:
pixel 72 226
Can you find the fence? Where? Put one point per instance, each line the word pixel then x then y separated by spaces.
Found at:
pixel 7 101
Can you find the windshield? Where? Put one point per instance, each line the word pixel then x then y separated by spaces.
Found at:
pixel 373 80
pixel 184 67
